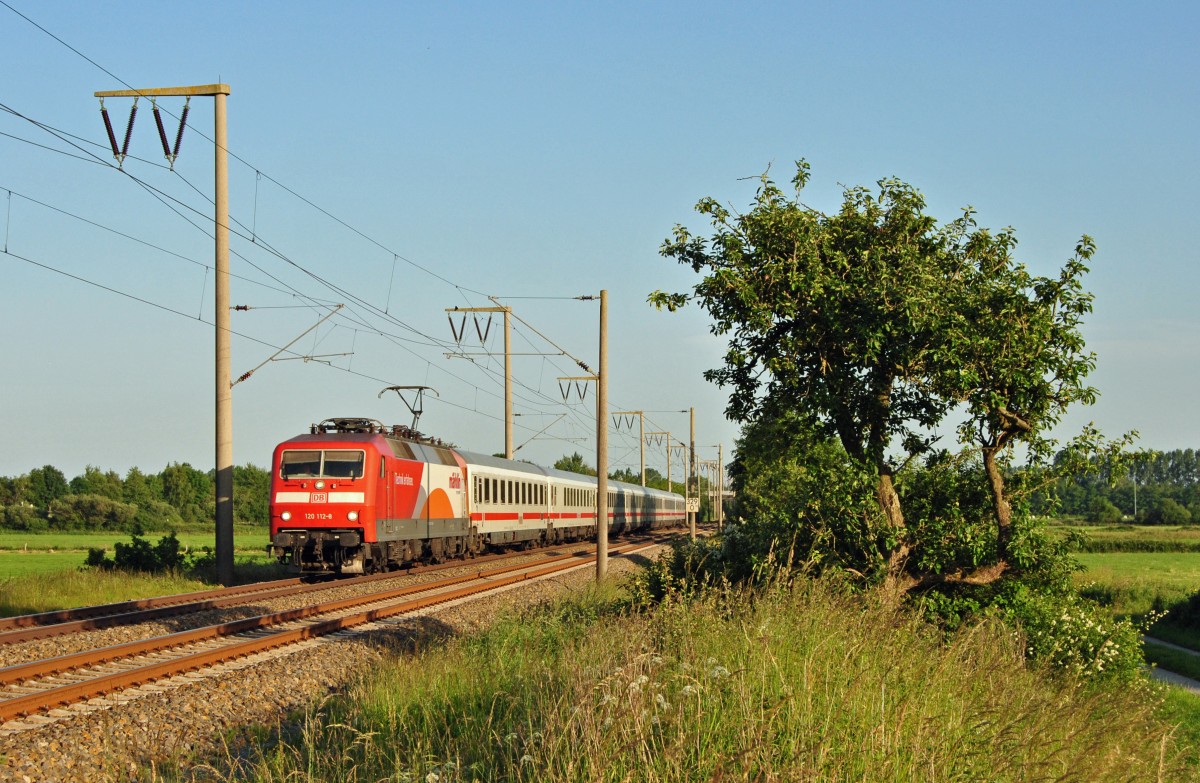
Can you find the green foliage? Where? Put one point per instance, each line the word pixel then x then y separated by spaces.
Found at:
pixel 948 508
pixel 1076 635
pixel 23 517
pixel 1170 512
pixel 801 500
pixel 14 491
pixel 1102 511
pixel 157 515
pixel 97 482
pixel 1185 614
pixel 575 464
pixel 99 500
pixel 140 555
pixel 80 512
pixel 251 495
pixel 869 325
pixel 46 484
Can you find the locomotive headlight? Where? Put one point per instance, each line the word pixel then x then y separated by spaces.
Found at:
pixel 320 485
pixel 352 516
pixel 285 516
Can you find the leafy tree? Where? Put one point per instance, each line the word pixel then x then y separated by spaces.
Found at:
pixel 871 324
pixel 188 490
pixel 575 464
pixel 251 494
pixel 14 491
pixel 94 481
pixel 838 316
pixel 1014 355
pixel 140 489
pixel 47 484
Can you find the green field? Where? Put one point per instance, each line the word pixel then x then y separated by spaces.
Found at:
pixel 1133 538
pixel 35 553
pixel 1172 570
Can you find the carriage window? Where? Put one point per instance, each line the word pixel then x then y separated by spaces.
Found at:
pixel 321 464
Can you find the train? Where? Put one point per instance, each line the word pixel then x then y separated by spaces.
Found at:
pixel 353 496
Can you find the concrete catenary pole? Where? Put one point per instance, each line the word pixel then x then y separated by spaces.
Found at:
pixel 602 445
pixel 692 471
pixel 508 394
pixel 224 388
pixel 721 486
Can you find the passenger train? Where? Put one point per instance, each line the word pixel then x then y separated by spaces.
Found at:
pixel 353 496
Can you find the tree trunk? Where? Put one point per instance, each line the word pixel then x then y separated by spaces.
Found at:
pixel 889 502
pixel 1000 505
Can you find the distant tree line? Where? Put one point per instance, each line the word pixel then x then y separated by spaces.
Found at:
pixel 1152 487
pixel 180 495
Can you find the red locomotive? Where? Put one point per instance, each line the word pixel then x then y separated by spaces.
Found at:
pixel 353 496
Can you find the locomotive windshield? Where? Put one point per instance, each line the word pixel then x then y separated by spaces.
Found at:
pixel 321 464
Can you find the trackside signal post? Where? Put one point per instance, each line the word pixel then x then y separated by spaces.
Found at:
pixel 224 388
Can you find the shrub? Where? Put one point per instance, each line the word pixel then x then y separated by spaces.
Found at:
pixel 23 517
pixel 157 515
pixel 1102 511
pixel 75 512
pixel 1171 512
pixel 140 555
pixel 1069 632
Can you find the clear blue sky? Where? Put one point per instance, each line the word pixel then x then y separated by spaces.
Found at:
pixel 546 150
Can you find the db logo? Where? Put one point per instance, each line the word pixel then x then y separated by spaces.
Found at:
pixel 318 497
pixel 455 481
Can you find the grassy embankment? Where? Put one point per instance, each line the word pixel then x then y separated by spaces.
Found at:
pixel 802 684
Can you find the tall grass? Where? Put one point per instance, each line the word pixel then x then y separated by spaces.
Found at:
pixel 802 683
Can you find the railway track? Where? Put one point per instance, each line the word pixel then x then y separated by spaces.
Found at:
pixel 45 625
pixel 43 685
